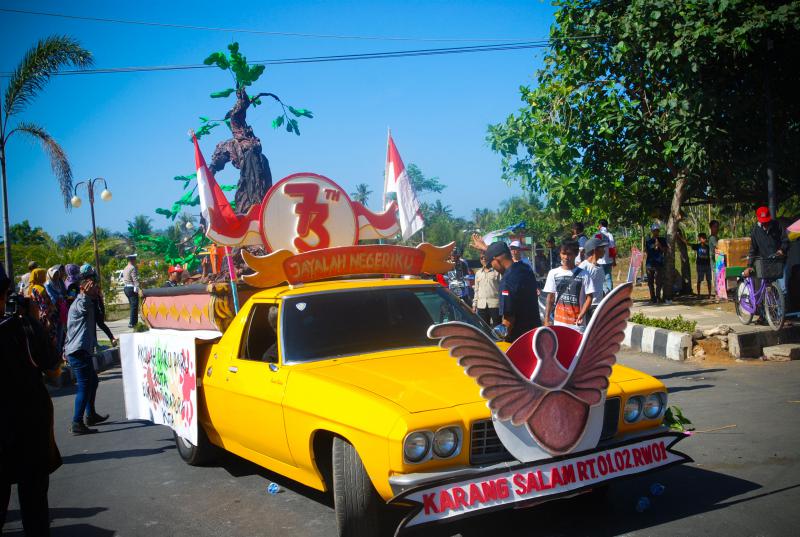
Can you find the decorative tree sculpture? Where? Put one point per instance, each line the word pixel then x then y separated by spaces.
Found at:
pixel 244 149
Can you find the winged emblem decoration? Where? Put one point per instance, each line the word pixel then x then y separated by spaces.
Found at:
pixel 547 392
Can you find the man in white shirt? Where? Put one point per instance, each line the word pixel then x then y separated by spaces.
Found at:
pixel 609 258
pixel 517 248
pixel 570 291
pixel 595 249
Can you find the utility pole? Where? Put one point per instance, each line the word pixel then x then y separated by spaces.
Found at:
pixel 771 195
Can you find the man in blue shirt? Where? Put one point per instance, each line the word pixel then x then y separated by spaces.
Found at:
pixel 519 305
pixel 79 347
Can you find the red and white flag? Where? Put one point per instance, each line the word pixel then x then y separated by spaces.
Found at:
pixel 396 180
pixel 223 226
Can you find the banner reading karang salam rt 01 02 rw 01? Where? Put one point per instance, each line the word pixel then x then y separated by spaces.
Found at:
pixel 537 481
pixel 159 379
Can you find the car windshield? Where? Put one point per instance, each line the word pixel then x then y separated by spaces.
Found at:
pixel 343 323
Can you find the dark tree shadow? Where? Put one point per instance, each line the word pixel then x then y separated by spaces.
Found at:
pixel 676 389
pixel 121 454
pixel 678 374
pixel 73 530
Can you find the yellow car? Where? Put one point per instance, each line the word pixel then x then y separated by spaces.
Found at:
pixel 347 394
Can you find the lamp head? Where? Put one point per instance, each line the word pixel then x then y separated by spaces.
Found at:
pixel 105 195
pixel 75 201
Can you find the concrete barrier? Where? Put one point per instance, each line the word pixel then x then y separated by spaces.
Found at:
pixel 658 341
pixel 751 344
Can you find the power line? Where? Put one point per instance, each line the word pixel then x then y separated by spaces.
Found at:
pixel 321 59
pixel 252 31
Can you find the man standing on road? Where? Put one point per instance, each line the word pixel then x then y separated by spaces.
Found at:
pixel 519 306
pixel 130 279
pixel 517 248
pixel 487 293
pixel 80 345
pixel 713 239
pixel 609 259
pixel 570 291
pixel 595 250
pixel 656 248
pixel 767 238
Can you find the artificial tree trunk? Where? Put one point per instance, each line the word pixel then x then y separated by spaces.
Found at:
pixel 243 151
pixel 672 228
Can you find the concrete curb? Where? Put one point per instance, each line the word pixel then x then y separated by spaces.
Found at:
pixel 107 358
pixel 751 344
pixel 658 341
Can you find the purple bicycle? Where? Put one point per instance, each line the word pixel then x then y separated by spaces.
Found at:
pixel 767 300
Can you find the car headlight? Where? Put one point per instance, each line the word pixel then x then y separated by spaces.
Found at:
pixel 633 408
pixel 445 442
pixel 654 404
pixel 416 446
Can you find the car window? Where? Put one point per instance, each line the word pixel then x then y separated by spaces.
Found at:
pixel 259 341
pixel 343 323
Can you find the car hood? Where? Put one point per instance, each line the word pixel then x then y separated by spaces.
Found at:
pixel 422 380
pixel 416 381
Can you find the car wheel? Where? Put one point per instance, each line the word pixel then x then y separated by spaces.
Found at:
pixel 203 453
pixel 356 501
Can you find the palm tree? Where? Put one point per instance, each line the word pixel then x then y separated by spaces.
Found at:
pixel 140 225
pixel 40 62
pixel 183 220
pixel 361 195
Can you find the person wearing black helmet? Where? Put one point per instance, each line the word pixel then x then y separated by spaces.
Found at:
pixel 519 305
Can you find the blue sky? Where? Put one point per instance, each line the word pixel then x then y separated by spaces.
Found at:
pixel 131 128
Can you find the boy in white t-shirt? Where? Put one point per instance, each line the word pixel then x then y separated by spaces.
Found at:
pixel 595 249
pixel 570 291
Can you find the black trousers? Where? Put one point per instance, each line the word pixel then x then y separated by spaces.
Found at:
pixel 133 300
pixel 34 510
pixel 490 316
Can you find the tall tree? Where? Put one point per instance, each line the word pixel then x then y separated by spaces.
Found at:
pixel 362 193
pixel 640 107
pixel 40 62
pixel 140 225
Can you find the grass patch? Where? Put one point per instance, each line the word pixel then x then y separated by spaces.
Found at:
pixel 679 324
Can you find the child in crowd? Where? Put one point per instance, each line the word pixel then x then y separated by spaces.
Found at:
pixel 595 249
pixel 570 291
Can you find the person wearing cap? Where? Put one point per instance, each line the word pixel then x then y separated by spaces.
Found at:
pixel 486 302
pixel 656 248
pixel 87 271
pixel 570 291
pixel 80 344
pixel 174 276
pixel 517 248
pixel 609 259
pixel 130 279
pixel 595 249
pixel 767 238
pixel 25 279
pixel 519 304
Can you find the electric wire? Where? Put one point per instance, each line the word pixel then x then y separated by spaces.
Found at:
pixel 253 31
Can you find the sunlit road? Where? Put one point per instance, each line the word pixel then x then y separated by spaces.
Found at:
pixel 128 480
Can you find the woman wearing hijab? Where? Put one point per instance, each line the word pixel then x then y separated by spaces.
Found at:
pixel 72 282
pixel 45 312
pixel 57 292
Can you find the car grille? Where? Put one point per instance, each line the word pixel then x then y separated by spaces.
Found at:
pixel 486 448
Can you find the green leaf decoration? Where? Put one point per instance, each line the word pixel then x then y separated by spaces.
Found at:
pixel 204 130
pixel 228 188
pixel 228 123
pixel 293 122
pixel 166 212
pixel 277 122
pixel 219 59
pixel 223 93
pixel 203 119
pixel 289 126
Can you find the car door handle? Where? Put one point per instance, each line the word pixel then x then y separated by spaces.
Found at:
pixel 233 369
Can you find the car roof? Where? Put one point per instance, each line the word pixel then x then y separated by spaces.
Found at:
pixel 339 285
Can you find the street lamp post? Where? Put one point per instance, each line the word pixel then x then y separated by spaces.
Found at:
pixel 105 195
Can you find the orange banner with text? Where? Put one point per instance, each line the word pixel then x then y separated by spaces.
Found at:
pixel 284 266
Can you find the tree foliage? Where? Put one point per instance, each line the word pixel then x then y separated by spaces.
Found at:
pixel 635 95
pixel 361 194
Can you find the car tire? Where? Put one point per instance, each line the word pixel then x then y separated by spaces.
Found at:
pixel 203 453
pixel 357 504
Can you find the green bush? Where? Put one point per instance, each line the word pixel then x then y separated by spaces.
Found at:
pixel 679 324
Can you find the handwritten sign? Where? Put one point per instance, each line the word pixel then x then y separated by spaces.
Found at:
pixel 542 480
pixel 159 378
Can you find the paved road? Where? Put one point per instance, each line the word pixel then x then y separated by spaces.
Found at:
pixel 129 481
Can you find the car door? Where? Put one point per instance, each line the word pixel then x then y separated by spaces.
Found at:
pixel 257 385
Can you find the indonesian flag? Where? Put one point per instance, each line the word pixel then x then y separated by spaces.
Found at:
pixel 396 180
pixel 223 226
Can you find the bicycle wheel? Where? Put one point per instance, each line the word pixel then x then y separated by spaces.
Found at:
pixel 774 306
pixel 743 294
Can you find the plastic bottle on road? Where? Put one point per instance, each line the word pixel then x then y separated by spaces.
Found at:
pixel 273 488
